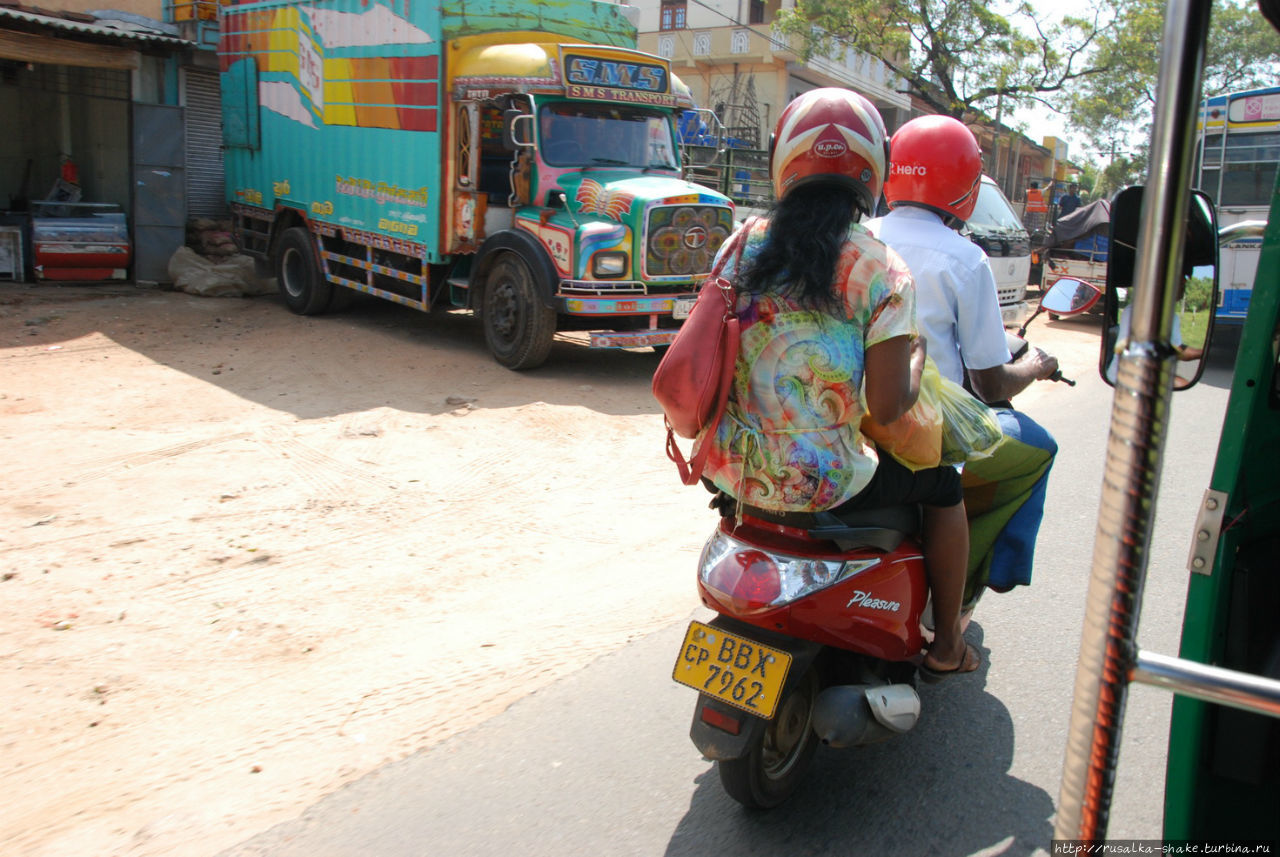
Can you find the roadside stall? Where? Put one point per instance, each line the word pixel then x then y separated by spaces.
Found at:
pixel 89 186
pixel 79 241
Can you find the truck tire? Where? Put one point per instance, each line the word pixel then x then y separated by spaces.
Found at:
pixel 518 326
pixel 302 284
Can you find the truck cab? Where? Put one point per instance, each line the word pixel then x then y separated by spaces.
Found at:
pixel 581 179
pixel 995 228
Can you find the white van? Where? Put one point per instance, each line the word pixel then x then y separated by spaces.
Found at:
pixel 996 228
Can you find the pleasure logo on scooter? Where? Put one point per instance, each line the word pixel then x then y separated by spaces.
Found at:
pixel 864 599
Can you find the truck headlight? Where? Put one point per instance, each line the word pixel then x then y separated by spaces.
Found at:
pixel 607 265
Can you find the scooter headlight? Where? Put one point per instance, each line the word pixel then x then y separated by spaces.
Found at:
pixel 753 580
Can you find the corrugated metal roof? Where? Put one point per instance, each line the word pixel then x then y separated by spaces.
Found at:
pixel 104 29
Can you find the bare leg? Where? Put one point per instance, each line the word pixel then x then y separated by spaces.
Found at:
pixel 946 554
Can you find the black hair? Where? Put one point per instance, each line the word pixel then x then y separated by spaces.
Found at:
pixel 807 229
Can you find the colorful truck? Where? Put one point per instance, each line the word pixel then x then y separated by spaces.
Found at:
pixel 519 160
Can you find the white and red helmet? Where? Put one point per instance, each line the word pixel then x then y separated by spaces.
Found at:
pixel 831 135
pixel 936 164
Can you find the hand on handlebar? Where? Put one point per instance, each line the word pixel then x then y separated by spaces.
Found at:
pixel 1042 364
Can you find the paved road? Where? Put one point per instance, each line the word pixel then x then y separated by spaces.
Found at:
pixel 599 763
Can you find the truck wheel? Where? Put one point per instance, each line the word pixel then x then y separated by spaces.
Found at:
pixel 518 326
pixel 303 286
pixel 775 765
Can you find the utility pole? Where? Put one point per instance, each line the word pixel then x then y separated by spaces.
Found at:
pixel 1014 155
pixel 995 161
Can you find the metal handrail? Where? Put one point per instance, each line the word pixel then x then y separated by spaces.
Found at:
pixel 1209 683
pixel 1240 231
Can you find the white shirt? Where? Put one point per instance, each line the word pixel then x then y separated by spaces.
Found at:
pixel 957 308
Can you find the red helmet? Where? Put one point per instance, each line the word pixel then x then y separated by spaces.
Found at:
pixel 830 135
pixel 937 164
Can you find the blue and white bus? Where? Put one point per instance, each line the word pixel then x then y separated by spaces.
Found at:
pixel 1239 153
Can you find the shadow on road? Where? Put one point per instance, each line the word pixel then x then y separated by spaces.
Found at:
pixel 373 354
pixel 944 789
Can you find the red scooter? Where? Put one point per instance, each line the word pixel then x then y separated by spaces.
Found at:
pixel 819 634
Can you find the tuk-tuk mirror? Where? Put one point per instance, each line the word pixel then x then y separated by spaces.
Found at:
pixel 1192 329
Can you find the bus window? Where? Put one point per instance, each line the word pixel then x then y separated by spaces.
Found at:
pixel 1239 156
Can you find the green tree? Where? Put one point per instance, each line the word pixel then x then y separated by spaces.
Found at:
pixel 1111 108
pixel 957 55
pixel 1089 181
pixel 1122 171
pixel 1198 294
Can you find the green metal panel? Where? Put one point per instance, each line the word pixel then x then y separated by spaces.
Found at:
pixel 1223 778
pixel 240 105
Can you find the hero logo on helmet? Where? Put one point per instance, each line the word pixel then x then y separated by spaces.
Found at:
pixel 937 164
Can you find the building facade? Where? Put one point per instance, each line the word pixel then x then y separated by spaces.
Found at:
pixel 125 104
pixel 737 66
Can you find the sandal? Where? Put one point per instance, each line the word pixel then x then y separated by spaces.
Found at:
pixel 969 662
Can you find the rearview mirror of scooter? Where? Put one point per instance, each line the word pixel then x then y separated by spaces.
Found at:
pixel 1067 296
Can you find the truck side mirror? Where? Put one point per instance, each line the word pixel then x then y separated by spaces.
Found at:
pixel 1194 311
pixel 517 129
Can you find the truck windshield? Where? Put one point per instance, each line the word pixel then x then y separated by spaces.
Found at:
pixel 586 134
pixel 993 213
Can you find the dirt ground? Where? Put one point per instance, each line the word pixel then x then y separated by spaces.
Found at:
pixel 247 557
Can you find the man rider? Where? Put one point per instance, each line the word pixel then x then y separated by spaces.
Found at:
pixel 932 188
pixel 1069 201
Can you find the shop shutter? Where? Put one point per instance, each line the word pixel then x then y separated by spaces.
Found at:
pixel 205 195
pixel 159 189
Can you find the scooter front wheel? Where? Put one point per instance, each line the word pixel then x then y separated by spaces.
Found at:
pixel 777 760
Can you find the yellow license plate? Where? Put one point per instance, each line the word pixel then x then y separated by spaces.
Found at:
pixel 732 669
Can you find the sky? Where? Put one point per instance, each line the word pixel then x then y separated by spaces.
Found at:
pixel 1042 122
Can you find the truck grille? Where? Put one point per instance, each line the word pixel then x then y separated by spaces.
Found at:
pixel 682 240
pixel 1010 295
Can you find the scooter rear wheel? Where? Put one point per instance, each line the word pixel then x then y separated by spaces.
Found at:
pixel 776 763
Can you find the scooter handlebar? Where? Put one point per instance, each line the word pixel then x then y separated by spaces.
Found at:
pixel 1058 376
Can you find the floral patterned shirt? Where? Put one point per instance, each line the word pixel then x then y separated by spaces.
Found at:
pixel 789 440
